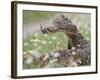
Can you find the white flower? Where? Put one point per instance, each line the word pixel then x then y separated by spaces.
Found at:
pixel 54 38
pixel 58 43
pixel 35 44
pixel 30 51
pixel 25 44
pixel 36 40
pixel 44 42
pixel 24 52
pixel 29 60
pixel 31 40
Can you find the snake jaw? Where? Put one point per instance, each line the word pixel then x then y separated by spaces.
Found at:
pixel 50 29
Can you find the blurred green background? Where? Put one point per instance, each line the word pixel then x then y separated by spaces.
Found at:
pixel 34 40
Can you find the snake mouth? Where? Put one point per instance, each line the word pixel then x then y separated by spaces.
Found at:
pixel 49 30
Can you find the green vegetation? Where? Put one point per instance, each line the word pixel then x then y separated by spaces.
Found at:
pixel 35 16
pixel 45 43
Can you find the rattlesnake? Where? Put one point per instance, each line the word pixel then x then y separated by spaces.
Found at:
pixel 81 53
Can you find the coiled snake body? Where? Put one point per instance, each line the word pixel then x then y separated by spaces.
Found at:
pixel 78 52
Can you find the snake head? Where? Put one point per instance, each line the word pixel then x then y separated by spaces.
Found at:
pixel 60 23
